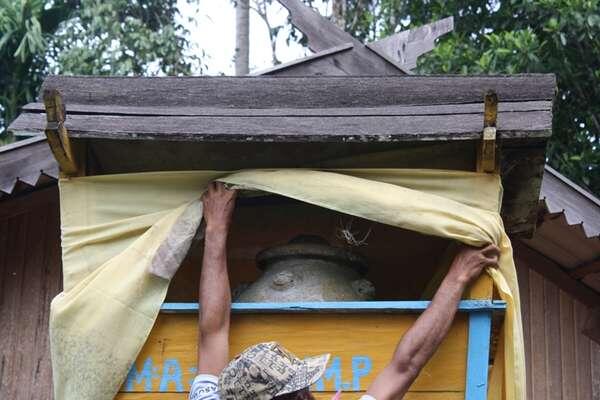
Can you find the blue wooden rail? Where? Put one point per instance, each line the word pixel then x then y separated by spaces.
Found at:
pixel 480 325
pixel 406 307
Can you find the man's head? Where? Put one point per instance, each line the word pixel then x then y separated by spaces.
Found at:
pixel 266 371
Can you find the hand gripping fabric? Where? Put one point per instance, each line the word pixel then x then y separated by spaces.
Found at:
pixel 123 237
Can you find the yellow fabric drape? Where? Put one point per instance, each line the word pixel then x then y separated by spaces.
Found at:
pixel 117 228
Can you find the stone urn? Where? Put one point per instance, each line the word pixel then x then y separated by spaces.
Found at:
pixel 309 269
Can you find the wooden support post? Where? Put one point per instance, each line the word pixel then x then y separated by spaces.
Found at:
pixel 57 134
pixel 480 330
pixel 486 155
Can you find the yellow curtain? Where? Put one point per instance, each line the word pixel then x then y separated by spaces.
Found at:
pixel 124 236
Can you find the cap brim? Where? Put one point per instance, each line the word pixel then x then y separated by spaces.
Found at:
pixel 312 370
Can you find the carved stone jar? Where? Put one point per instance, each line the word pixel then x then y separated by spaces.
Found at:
pixel 309 269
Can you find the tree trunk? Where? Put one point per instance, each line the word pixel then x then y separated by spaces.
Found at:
pixel 338 13
pixel 242 37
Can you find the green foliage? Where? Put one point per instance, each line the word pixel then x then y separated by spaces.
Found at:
pixel 116 37
pixel 22 47
pixel 121 37
pixel 514 36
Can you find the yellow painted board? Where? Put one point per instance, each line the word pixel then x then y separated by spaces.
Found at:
pixel 481 289
pixel 360 345
pixel 319 396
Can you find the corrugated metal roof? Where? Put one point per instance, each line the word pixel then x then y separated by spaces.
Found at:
pixel 568 230
pixel 26 166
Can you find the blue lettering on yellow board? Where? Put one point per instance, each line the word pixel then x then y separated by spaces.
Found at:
pixel 171 374
pixel 146 375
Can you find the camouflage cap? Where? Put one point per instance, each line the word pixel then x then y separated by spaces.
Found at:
pixel 267 370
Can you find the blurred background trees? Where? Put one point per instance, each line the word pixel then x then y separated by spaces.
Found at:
pixel 116 37
pixel 122 37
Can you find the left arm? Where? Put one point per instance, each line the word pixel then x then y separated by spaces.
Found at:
pixel 421 341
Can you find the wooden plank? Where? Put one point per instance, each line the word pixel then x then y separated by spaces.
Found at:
pixel 553 342
pixel 567 347
pixel 299 92
pixel 12 282
pixel 318 396
pixel 294 65
pixel 486 160
pixel 29 202
pixel 405 47
pixel 595 370
pixel 57 134
pixel 539 385
pixel 482 288
pixel 190 111
pixel 167 361
pixel 478 355
pixel 323 34
pixel 394 307
pixel 553 272
pixel 515 125
pixel 523 279
pixel 582 351
pixel 28 344
pixel 30 278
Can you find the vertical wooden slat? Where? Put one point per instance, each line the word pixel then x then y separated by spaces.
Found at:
pixel 567 347
pixel 52 285
pixel 582 350
pixel 552 329
pixel 30 277
pixel 4 310
pixel 538 338
pixel 13 278
pixel 30 303
pixel 523 276
pixel 595 359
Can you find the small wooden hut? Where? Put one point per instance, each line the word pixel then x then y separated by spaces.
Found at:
pixel 372 114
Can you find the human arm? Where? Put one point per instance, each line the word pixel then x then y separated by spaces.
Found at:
pixel 421 341
pixel 214 292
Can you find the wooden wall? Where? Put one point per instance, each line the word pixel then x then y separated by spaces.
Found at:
pixel 30 277
pixel 562 364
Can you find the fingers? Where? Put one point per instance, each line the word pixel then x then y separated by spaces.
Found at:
pixel 491 255
pixel 215 188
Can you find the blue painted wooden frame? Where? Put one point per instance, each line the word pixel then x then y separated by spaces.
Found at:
pixel 467 306
pixel 479 337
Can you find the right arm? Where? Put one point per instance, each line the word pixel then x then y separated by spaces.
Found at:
pixel 421 341
pixel 214 293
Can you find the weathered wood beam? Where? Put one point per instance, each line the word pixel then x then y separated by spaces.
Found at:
pixel 405 47
pixel 359 129
pixel 323 34
pixel 299 92
pixel 581 271
pixel 555 273
pixel 441 109
pixel 322 62
pixel 56 133
pixel 486 160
